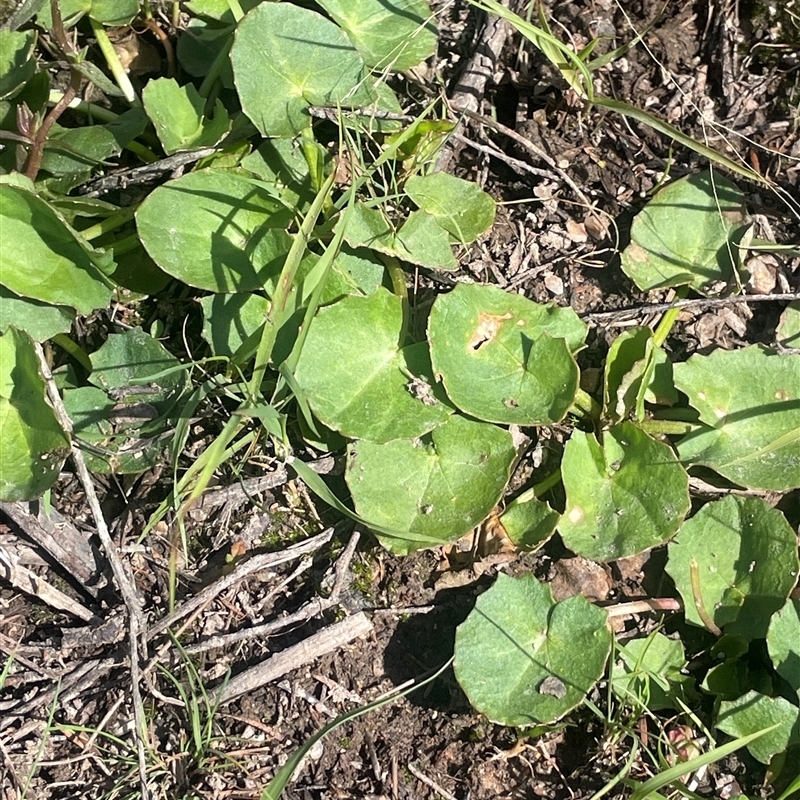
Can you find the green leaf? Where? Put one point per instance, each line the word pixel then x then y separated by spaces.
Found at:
pixel 40 321
pixel 529 522
pixel 783 642
pixel 360 381
pixel 749 404
pixel 522 659
pixel 281 163
pixel 645 669
pixel 34 445
pixel 439 486
pixel 129 411
pixel 200 44
pixel 287 58
pixel 134 359
pixel 218 9
pixel 215 230
pixel 754 712
pixel 78 150
pixel 397 35
pixel 108 12
pixel 103 423
pixel 178 113
pixel 686 235
pixel 42 257
pixel 788 332
pixel 228 319
pixel 17 62
pixel 746 556
pixel 420 240
pixel 624 496
pixel 114 12
pixel 629 368
pixel 504 358
pixel 461 207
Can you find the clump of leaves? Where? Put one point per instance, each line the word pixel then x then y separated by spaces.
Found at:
pixel 295 255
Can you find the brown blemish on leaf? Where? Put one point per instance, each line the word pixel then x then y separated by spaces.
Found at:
pixel 488 327
pixel 637 254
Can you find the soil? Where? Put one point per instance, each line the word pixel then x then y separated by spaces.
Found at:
pixel 725 73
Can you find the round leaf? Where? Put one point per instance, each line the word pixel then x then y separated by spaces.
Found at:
pixel 522 659
pixel 438 487
pixel 783 640
pixel 34 445
pixel 756 712
pixel 685 234
pixel 215 230
pixel 504 358
pixel 358 379
pixel 746 556
pixel 42 258
pixel 287 58
pixel 461 207
pixel 624 496
pixel 749 404
pixel 397 36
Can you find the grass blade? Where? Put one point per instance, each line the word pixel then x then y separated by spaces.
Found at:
pixel 645 790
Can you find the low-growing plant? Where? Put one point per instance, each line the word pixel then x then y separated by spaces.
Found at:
pixel 295 254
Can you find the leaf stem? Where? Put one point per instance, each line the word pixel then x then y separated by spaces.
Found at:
pixel 216 68
pixel 668 320
pixel 74 349
pixel 35 157
pixel 667 427
pixel 585 406
pixel 114 64
pixel 697 594
pixel 110 223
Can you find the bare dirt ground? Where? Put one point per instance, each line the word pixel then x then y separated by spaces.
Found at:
pixel 727 73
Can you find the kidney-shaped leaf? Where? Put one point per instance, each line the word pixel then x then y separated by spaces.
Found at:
pixel 624 496
pixel 749 404
pixel 756 712
pixel 397 35
pixel 746 557
pixel 461 207
pixel 287 58
pixel 439 487
pixel 42 258
pixel 215 230
pixel 504 358
pixel 358 379
pixel 783 641
pixel 34 445
pixel 522 659
pixel 685 234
